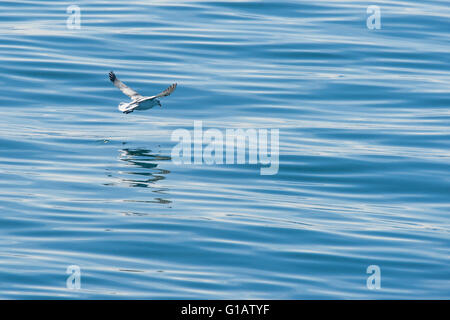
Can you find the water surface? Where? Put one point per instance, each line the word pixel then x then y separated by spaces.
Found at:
pixel 364 150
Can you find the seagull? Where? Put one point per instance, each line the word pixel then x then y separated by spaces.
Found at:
pixel 138 102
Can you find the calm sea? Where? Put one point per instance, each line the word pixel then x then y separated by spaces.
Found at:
pixel 364 150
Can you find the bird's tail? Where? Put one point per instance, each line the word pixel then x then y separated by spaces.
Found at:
pixel 123 106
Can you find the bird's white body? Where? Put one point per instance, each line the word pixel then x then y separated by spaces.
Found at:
pixel 144 103
pixel 138 102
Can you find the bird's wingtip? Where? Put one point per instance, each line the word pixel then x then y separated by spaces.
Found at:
pixel 112 76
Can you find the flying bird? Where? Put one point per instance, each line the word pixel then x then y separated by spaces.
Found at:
pixel 138 102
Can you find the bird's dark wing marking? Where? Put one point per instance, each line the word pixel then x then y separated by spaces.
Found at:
pixel 123 87
pixel 166 92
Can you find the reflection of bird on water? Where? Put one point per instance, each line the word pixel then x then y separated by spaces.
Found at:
pixel 143 159
pixel 142 171
pixel 138 102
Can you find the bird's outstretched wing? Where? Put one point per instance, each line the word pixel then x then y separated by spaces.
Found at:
pixel 123 87
pixel 166 92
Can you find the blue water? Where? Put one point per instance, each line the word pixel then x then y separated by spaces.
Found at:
pixel 363 177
